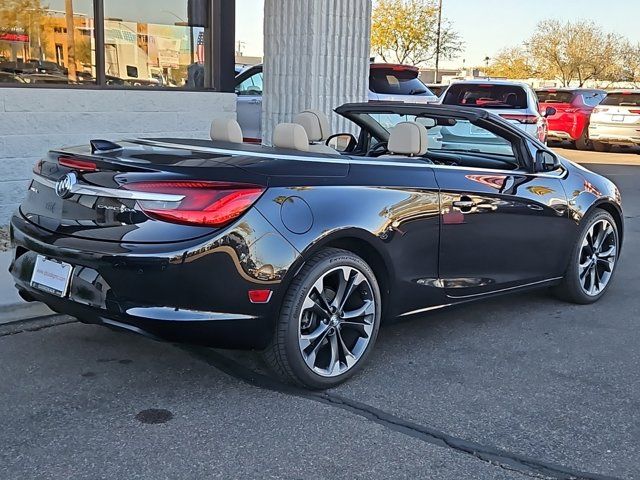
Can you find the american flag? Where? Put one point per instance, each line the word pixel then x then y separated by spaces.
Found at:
pixel 200 47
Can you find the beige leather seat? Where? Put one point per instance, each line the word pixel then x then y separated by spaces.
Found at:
pixel 316 124
pixel 226 130
pixel 291 136
pixel 408 139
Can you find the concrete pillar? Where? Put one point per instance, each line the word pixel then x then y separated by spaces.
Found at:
pixel 316 55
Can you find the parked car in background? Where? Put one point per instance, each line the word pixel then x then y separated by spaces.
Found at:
pixel 437 88
pixel 573 108
pixel 513 101
pixel 387 82
pixel 397 83
pixel 616 121
pixel 249 105
pixel 8 77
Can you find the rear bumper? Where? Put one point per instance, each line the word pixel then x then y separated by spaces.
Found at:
pixel 559 135
pixel 569 127
pixel 195 293
pixel 615 134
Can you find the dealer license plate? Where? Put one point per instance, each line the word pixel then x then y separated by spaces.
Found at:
pixel 51 276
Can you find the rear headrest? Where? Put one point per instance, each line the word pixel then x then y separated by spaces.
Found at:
pixel 408 138
pixel 315 123
pixel 226 130
pixel 292 136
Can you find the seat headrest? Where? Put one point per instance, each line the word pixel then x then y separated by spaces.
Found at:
pixel 291 136
pixel 408 138
pixel 315 123
pixel 226 130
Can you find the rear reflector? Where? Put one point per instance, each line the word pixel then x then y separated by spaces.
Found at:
pixel 77 164
pixel 527 119
pixel 212 204
pixel 260 296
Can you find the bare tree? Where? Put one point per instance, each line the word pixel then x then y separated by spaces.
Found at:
pixel 574 51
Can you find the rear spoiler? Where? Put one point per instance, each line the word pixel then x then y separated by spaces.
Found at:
pixel 104 146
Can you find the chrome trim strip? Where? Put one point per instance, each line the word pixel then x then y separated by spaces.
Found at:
pixel 506 289
pixel 343 161
pixel 279 156
pixel 423 310
pixel 95 191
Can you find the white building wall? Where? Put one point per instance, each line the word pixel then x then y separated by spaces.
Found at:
pixel 316 56
pixel 33 120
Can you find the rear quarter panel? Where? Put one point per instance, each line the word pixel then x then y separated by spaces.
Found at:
pixel 395 210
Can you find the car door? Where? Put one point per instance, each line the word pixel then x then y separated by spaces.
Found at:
pixel 249 105
pixel 500 228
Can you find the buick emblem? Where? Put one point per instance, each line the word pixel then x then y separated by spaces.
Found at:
pixel 64 186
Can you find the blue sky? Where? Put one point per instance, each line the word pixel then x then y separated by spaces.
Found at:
pixel 486 25
pixel 489 25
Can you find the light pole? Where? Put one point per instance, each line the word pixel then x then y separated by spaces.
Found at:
pixel 439 34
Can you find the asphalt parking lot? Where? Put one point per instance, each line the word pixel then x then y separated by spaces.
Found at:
pixel 517 387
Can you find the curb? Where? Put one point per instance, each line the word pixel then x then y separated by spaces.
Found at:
pixel 16 312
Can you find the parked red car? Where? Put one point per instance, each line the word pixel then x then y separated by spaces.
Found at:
pixel 573 109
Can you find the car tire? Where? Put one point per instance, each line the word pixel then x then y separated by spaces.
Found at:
pixel 583 142
pixel 580 282
pixel 297 359
pixel 601 147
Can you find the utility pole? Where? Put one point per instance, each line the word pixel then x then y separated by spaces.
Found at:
pixel 71 41
pixel 438 40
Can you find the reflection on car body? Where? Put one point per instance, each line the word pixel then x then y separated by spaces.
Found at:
pixel 303 253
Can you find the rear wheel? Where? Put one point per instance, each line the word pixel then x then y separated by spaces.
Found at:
pixel 601 147
pixel 328 323
pixel 593 260
pixel 583 143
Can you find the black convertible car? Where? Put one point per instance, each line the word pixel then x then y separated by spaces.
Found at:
pixel 302 249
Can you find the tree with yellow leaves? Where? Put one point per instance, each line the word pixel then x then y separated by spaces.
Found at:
pixel 405 31
pixel 512 62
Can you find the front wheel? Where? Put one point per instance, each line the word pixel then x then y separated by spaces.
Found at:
pixel 593 260
pixel 328 322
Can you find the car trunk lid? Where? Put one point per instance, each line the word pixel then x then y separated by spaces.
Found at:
pixel 126 195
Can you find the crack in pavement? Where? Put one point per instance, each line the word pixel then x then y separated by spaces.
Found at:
pixel 509 461
pixel 506 460
pixel 35 324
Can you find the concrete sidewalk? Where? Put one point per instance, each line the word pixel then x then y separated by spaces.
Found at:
pixel 12 307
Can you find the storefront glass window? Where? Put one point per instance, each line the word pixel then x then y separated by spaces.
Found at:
pixel 47 42
pixel 155 44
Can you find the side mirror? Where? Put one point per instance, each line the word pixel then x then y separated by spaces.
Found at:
pixel 342 142
pixel 549 112
pixel 546 161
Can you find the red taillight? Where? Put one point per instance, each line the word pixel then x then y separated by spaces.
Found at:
pixel 77 164
pixel 526 119
pixel 212 204
pixel 635 112
pixel 600 110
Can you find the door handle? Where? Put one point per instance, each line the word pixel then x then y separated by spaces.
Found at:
pixel 464 204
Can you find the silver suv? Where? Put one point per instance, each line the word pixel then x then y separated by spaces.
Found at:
pixel 387 82
pixel 616 121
